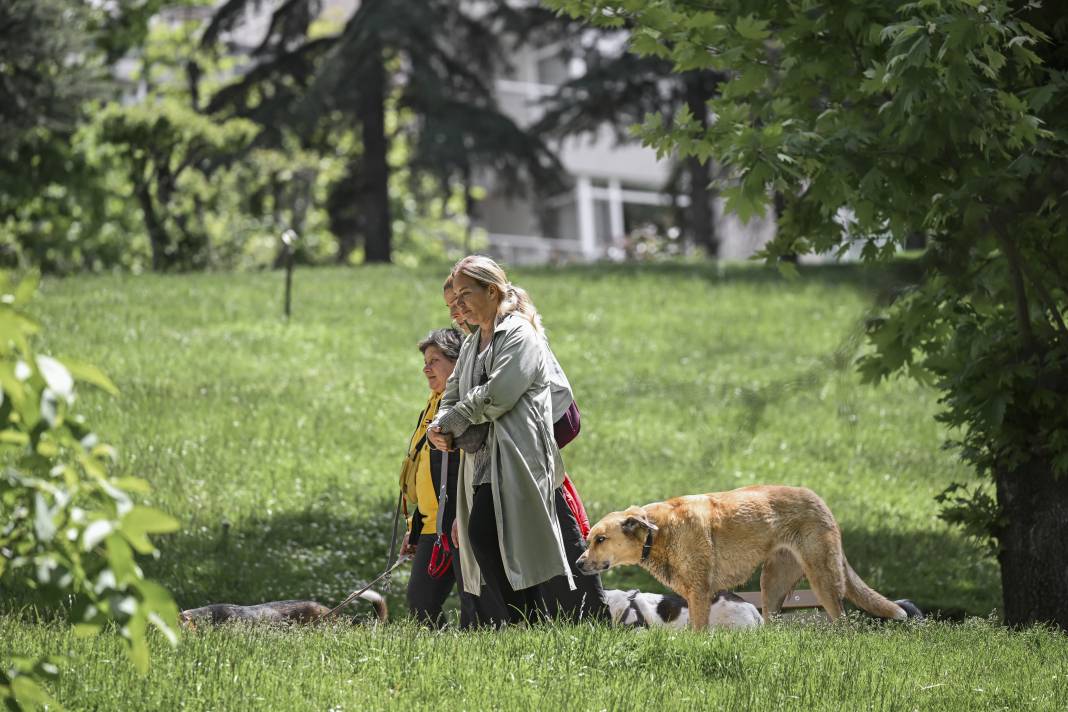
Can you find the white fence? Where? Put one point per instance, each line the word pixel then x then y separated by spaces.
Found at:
pixel 528 249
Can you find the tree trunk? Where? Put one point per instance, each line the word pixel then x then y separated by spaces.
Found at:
pixel 700 87
pixel 779 204
pixel 158 239
pixel 345 205
pixel 375 147
pixel 700 218
pixel 1034 544
pixel 469 208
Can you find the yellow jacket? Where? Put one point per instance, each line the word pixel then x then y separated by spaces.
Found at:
pixel 416 480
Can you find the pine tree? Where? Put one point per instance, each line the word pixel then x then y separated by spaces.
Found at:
pixel 431 61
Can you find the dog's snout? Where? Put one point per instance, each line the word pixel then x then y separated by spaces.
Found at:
pixel 589 568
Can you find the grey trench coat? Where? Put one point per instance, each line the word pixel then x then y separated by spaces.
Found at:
pixel 525 464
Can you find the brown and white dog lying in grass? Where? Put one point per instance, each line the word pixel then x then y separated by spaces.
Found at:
pixel 272 612
pixel 700 544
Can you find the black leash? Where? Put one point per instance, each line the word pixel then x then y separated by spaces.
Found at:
pixel 393 536
pixel 356 594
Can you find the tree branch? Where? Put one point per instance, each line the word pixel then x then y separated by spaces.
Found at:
pixel 1046 297
pixel 1023 317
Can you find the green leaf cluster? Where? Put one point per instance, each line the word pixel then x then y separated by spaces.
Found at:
pixel 881 123
pixel 69 529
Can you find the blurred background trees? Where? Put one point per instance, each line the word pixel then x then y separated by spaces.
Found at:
pixel 143 135
pixel 186 135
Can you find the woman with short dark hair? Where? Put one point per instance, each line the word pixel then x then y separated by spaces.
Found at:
pixel 421 483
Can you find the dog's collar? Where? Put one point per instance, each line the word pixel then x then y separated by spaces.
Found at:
pixel 648 544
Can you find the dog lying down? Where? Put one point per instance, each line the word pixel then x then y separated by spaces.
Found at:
pixel 656 610
pixel 272 612
pixel 729 611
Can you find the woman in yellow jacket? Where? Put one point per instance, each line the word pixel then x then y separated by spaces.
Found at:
pixel 421 481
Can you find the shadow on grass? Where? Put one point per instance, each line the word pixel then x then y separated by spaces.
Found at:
pixel 310 554
pixel 322 556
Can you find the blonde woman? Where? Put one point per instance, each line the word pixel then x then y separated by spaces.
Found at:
pixel 509 500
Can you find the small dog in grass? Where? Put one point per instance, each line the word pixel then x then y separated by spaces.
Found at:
pixel 273 612
pixel 656 610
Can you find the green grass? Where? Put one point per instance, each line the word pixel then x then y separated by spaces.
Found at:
pixel 853 666
pixel 278 445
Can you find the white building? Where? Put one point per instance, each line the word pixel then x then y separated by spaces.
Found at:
pixel 615 188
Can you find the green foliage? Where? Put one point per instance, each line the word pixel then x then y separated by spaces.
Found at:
pixel 160 144
pixel 877 121
pixel 40 87
pixel 151 180
pixel 41 94
pixel 70 529
pixel 972 510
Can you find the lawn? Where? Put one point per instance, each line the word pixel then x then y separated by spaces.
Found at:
pixel 278 445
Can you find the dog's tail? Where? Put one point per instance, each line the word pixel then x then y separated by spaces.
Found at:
pixel 376 600
pixel 862 595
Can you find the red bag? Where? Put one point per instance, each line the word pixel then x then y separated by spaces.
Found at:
pixel 574 503
pixel 441 554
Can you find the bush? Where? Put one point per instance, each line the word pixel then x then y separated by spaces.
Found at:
pixel 69 530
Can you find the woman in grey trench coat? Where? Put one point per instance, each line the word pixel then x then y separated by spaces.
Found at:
pixel 509 533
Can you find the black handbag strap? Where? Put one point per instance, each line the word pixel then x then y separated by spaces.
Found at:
pixel 413 452
pixel 443 492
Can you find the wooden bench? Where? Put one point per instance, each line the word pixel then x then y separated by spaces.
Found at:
pixel 798 599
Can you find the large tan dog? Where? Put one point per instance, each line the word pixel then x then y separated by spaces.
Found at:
pixel 703 543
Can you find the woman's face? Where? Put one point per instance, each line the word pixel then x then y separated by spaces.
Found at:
pixel 454 310
pixel 437 368
pixel 478 304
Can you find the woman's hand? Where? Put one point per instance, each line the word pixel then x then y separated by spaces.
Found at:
pixel 406 548
pixel 455 533
pixel 439 439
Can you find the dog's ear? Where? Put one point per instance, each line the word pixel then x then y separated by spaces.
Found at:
pixel 637 524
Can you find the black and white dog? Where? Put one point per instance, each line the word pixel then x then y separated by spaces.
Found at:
pixel 656 610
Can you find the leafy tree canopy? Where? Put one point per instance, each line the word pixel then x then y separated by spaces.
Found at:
pixel 877 120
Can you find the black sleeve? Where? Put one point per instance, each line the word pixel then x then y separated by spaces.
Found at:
pixel 417 527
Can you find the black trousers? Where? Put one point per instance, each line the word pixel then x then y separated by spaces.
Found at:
pixel 555 599
pixel 427 595
pixel 499 603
